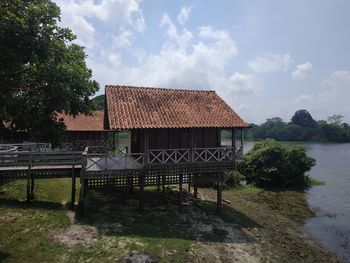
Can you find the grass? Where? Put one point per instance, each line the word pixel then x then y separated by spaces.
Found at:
pixel 162 230
pixel 26 228
pixel 314 182
pixel 289 203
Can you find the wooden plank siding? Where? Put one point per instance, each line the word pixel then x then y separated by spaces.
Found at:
pixel 175 138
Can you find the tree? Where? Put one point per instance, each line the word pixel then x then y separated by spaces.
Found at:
pixel 273 164
pixel 99 102
pixel 304 119
pixel 335 119
pixel 42 72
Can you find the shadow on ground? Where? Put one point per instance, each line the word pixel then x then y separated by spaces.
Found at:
pixel 3 256
pixel 118 214
pixel 46 205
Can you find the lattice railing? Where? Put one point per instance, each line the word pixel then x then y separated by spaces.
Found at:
pixel 166 156
pixel 102 162
pixel 221 154
pixel 239 152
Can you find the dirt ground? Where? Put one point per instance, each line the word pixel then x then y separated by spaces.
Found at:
pixel 246 232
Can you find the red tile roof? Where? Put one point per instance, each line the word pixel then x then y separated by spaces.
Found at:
pixel 83 122
pixel 141 107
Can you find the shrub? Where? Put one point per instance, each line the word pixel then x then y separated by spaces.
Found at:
pixel 233 179
pixel 274 164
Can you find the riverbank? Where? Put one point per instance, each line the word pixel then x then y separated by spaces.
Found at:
pixel 256 226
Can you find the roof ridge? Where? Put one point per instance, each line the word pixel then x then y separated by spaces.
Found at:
pixel 156 88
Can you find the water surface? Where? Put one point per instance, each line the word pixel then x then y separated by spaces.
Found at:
pixel 331 225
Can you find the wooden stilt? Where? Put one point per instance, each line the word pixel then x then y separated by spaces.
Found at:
pixel 180 188
pixel 219 198
pixel 130 184
pixel 163 183
pixel 141 192
pixel 28 187
pixel 195 190
pixel 32 188
pixel 84 186
pixel 81 198
pixel 73 187
pixel 189 184
pixel 158 182
pixel 29 179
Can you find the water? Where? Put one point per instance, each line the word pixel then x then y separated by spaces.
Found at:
pixel 331 225
pixel 331 201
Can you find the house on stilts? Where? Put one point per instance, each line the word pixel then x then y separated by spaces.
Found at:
pixel 164 137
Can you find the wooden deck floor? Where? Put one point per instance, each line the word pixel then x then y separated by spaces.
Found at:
pixel 38 167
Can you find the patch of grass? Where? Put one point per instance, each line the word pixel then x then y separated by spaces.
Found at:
pixel 314 182
pixel 50 190
pixel 289 203
pixel 249 189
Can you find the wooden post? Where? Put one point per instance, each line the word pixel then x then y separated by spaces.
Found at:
pixel 113 139
pixel 146 146
pixel 73 186
pixel 158 182
pixel 32 187
pixel 191 145
pixel 29 178
pixel 189 183
pixel 195 190
pixel 130 181
pixel 219 198
pixel 180 187
pixel 233 144
pixel 233 138
pixel 242 139
pixel 141 192
pixel 163 183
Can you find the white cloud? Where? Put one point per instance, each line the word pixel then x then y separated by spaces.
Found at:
pixel 336 88
pixel 338 79
pixel 303 98
pixel 186 60
pixel 181 39
pixel 183 15
pixel 302 71
pixel 122 39
pixel 243 84
pixel 270 63
pixel 116 14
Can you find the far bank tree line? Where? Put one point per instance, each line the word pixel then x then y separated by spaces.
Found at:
pixel 302 127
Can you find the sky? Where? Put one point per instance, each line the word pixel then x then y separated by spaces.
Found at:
pixel 264 58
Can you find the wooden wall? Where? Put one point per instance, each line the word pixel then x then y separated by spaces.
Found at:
pixel 175 138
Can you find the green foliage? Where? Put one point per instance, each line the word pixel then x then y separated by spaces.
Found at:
pixel 273 164
pixel 233 179
pixel 302 128
pixel 304 119
pixel 42 72
pixel 99 102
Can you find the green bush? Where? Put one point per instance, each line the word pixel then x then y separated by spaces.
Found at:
pixel 233 179
pixel 272 164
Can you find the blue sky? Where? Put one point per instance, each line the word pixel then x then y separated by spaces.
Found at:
pixel 265 58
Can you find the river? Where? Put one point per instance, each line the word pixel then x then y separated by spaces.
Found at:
pixel 331 201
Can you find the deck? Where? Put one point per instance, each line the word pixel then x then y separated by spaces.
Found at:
pixel 118 168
